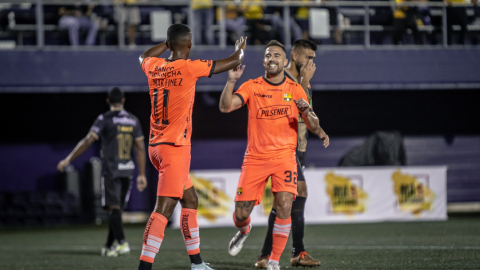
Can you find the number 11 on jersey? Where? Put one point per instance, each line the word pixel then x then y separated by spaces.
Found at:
pixel 166 94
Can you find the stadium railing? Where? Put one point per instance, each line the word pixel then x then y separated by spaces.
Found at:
pixel 342 24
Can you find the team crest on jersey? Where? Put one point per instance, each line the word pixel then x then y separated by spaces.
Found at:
pixel 287 97
pixel 239 191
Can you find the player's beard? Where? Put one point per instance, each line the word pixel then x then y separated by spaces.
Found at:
pixel 298 66
pixel 274 71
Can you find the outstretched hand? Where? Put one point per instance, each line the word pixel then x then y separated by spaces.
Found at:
pixel 236 73
pixel 241 43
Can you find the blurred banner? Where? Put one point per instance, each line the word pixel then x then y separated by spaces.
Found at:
pixel 371 194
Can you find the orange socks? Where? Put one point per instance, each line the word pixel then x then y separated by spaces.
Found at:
pixel 153 237
pixel 281 230
pixel 190 232
pixel 242 226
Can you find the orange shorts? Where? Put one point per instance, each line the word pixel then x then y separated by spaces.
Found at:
pixel 173 165
pixel 255 173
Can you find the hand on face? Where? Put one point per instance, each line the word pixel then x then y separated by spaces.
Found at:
pixel 308 70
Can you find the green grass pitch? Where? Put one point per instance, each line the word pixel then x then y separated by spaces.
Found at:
pixel 453 244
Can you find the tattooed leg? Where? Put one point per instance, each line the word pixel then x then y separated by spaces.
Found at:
pixel 243 210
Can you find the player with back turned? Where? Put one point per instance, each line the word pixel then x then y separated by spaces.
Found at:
pixel 119 132
pixel 300 70
pixel 274 103
pixel 171 84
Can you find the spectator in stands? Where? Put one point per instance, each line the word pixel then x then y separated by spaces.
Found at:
pixel 456 15
pixel 256 26
pixel 404 18
pixel 129 14
pixel 279 26
pixel 476 21
pixel 336 21
pixel 203 19
pixel 301 16
pixel 234 21
pixel 73 19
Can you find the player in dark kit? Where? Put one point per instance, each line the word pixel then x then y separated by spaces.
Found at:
pixel 119 132
pixel 300 70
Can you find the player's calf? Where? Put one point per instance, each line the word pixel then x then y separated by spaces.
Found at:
pixel 152 240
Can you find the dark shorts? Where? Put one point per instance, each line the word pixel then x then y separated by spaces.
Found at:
pixel 115 191
pixel 301 158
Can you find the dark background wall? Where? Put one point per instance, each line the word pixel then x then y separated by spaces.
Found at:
pixel 66 118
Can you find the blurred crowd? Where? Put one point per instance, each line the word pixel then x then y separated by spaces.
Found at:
pixel 400 23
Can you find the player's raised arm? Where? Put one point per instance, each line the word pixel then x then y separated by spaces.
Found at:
pixel 228 101
pixel 78 150
pixel 233 60
pixel 312 121
pixel 155 51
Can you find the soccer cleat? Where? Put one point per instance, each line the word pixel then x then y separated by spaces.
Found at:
pixel 262 262
pixel 273 265
pixel 202 266
pixel 237 242
pixel 123 248
pixel 109 252
pixel 305 260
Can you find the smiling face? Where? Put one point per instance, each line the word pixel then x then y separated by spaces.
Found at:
pixel 275 60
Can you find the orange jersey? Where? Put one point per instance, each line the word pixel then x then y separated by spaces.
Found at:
pixel 172 93
pixel 272 117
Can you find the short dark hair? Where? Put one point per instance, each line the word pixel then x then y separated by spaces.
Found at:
pixel 115 95
pixel 275 43
pixel 304 43
pixel 175 34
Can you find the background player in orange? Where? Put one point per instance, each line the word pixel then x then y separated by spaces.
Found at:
pixel 300 69
pixel 171 82
pixel 274 103
pixel 119 131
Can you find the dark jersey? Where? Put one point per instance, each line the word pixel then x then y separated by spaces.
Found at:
pixel 302 128
pixel 118 130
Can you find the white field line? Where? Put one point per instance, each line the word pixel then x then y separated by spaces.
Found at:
pixel 319 247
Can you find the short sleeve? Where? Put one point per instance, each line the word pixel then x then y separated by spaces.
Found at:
pixel 201 68
pixel 243 93
pixel 301 93
pixel 97 127
pixel 137 131
pixel 147 62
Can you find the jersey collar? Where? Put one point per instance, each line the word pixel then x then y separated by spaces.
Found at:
pixel 274 84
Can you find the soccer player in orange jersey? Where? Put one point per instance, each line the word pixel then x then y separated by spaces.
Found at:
pixel 274 102
pixel 171 82
pixel 300 69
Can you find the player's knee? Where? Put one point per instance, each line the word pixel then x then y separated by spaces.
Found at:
pixel 191 202
pixel 111 207
pixel 302 189
pixel 241 216
pixel 284 208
